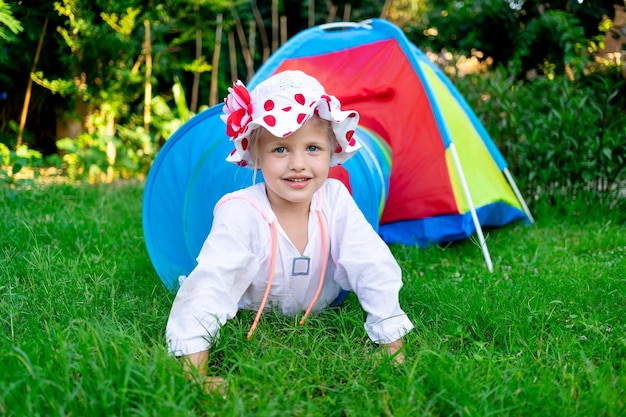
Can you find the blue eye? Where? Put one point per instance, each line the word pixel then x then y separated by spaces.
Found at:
pixel 313 148
pixel 280 149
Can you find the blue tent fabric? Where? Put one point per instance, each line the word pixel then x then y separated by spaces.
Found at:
pixel 428 231
pixel 183 185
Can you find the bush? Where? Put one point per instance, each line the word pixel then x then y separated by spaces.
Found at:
pixel 558 134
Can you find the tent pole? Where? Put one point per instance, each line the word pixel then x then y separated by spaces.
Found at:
pixel 513 185
pixel 479 230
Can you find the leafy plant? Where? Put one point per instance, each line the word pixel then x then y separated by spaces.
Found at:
pixel 9 25
pixel 558 135
pixel 167 117
pixel 11 165
pixel 9 28
pixel 550 42
pixel 88 156
pixel 98 157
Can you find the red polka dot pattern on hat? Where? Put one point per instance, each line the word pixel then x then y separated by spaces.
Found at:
pixel 350 138
pixel 270 120
pixel 282 110
pixel 328 100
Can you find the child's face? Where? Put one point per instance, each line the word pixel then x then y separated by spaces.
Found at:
pixel 295 167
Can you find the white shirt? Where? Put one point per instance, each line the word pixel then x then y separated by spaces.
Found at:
pixel 235 261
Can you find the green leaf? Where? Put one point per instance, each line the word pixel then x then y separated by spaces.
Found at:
pixel 67 145
pixel 7 20
pixel 198 65
pixel 179 99
pixel 5 154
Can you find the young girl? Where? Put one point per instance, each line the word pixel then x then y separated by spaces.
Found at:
pixel 297 241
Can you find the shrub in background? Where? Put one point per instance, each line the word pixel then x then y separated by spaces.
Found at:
pixel 559 135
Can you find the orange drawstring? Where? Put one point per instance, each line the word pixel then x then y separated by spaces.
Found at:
pixel 271 278
pixel 319 286
pixel 269 282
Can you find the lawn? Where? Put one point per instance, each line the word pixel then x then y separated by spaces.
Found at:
pixel 82 320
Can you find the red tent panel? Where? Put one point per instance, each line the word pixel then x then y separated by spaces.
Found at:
pixel 419 184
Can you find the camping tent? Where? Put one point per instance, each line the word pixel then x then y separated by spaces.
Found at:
pixel 428 172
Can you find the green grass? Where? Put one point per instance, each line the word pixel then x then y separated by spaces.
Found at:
pixel 82 318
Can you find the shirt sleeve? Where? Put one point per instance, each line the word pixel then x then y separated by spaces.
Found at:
pixel 227 264
pixel 365 265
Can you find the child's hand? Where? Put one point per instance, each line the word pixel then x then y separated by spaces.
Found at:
pixel 195 362
pixel 195 366
pixel 394 349
pixel 212 384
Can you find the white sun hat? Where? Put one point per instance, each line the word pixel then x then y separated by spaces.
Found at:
pixel 281 104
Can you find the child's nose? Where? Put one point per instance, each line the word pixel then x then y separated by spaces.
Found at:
pixel 298 160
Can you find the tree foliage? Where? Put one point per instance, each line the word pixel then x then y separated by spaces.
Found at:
pixel 9 26
pixel 107 66
pixel 531 34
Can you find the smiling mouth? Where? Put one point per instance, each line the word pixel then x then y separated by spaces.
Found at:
pixel 297 179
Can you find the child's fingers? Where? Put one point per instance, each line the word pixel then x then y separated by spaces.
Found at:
pixel 394 349
pixel 212 384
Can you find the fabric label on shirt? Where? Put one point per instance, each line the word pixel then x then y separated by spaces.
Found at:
pixel 301 266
